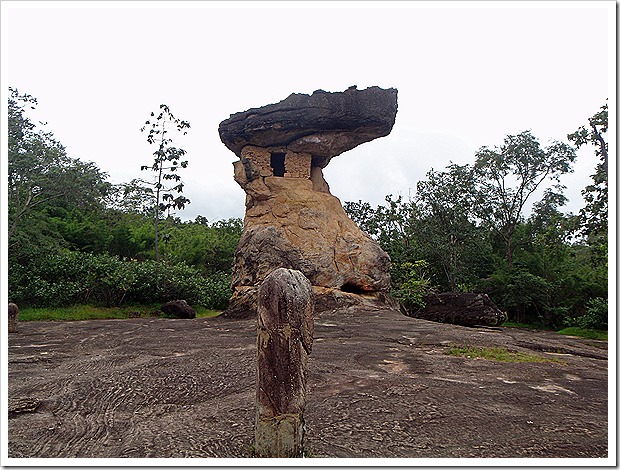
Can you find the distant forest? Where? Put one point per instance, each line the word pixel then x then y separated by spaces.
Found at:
pixel 75 238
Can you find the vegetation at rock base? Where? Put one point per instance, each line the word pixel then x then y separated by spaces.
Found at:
pixel 75 238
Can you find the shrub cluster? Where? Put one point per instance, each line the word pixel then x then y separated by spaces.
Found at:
pixel 596 315
pixel 414 285
pixel 70 277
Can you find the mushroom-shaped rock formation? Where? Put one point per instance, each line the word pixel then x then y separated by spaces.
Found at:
pixel 292 220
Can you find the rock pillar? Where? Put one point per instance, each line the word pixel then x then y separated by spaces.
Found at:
pixel 13 314
pixel 291 219
pixel 284 342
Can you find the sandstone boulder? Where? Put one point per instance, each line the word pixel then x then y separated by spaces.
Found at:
pixel 178 309
pixel 458 308
pixel 292 220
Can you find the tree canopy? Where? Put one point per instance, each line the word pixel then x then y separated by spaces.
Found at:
pixel 506 178
pixel 466 229
pixel 76 238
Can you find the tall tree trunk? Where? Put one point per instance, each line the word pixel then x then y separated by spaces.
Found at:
pixel 157 222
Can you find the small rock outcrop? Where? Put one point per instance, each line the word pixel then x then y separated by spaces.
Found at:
pixel 178 309
pixel 13 316
pixel 285 329
pixel 458 308
pixel 292 220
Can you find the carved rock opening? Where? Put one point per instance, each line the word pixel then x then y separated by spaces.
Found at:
pixel 277 163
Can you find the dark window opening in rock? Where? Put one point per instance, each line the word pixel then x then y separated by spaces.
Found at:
pixel 277 164
pixel 318 161
pixel 352 288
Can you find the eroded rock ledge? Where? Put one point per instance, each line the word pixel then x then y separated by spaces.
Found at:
pixel 323 124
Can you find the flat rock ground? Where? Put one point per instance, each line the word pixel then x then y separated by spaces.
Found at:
pixel 380 385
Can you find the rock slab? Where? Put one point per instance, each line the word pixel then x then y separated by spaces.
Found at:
pixel 466 309
pixel 324 124
pixel 285 329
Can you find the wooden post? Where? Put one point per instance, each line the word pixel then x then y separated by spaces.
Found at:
pixel 284 342
pixel 13 314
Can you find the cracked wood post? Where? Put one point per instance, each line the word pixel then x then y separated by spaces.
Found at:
pixel 13 314
pixel 284 342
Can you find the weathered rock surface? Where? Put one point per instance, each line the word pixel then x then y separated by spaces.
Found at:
pixel 380 385
pixel 178 309
pixel 323 124
pixel 327 299
pixel 284 341
pixel 292 220
pixel 458 308
pixel 299 228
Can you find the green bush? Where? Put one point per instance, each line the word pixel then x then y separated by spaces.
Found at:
pixel 520 293
pixel 70 278
pixel 415 286
pixel 596 315
pixel 217 291
pixel 50 280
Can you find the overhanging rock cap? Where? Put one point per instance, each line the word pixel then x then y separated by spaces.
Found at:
pixel 323 124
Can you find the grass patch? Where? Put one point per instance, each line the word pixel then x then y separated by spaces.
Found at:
pixel 88 312
pixel 206 313
pixel 584 333
pixel 496 354
pixel 525 326
pixel 571 331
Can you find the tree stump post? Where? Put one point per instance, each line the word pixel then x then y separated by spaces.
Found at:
pixel 13 314
pixel 285 328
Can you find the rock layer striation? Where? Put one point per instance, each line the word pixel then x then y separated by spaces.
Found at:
pixel 292 220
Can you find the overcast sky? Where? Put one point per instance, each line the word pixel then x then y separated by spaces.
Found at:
pixel 467 75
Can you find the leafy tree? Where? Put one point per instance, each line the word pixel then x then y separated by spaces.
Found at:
pixel 364 216
pixel 41 175
pixel 594 214
pixel 83 230
pixel 415 286
pixel 393 226
pixel 551 278
pixel 507 176
pixel 445 230
pixel 166 162
pixel 208 247
pixel 137 196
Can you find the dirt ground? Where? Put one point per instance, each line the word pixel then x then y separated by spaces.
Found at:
pixel 380 385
